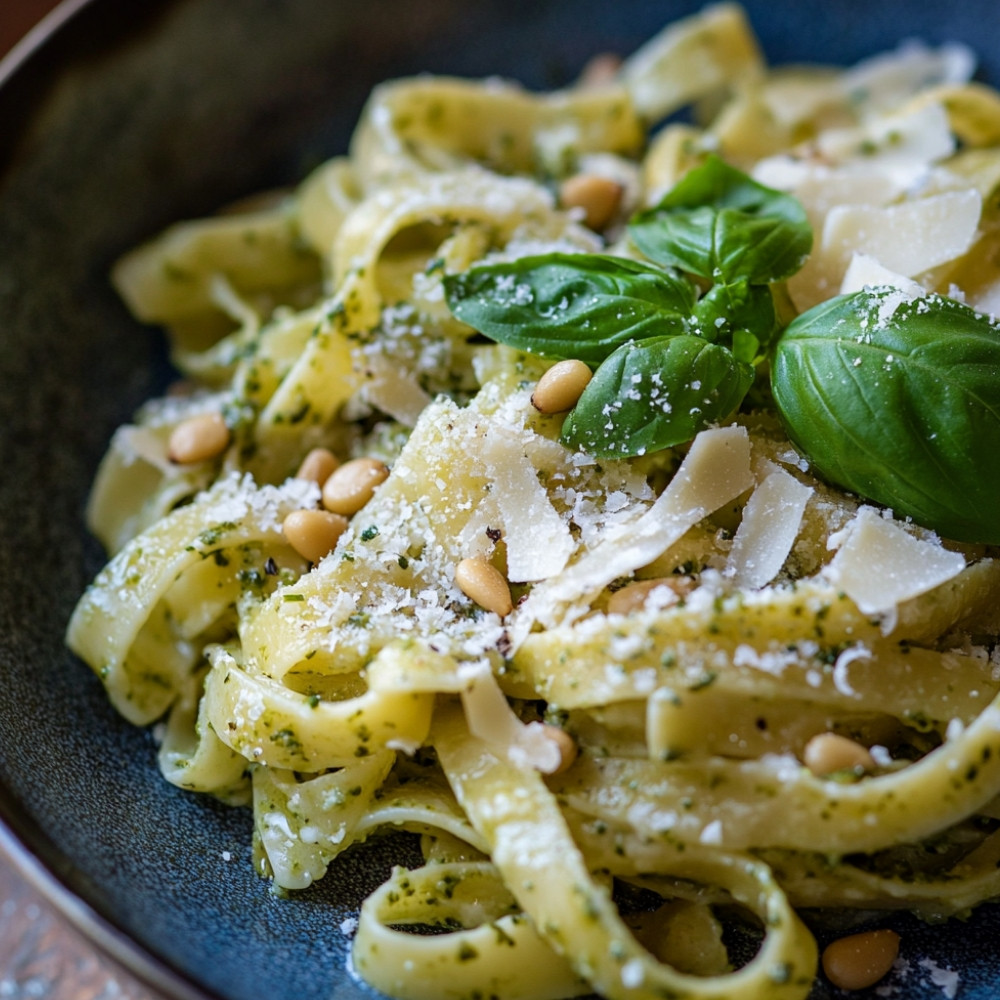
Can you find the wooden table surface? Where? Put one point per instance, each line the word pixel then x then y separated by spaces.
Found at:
pixel 42 957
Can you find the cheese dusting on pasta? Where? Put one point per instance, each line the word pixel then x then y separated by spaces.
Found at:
pixel 611 768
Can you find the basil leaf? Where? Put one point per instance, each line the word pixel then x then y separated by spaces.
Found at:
pixel 898 400
pixel 656 394
pixel 570 305
pixel 739 315
pixel 720 224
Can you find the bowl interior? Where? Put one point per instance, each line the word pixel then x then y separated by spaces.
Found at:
pixel 121 123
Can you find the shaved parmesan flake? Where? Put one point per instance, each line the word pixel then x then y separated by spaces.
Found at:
pixel 987 300
pixel 141 444
pixel 491 720
pixel 394 391
pixel 902 146
pixel 822 188
pixel 715 471
pixel 879 564
pixel 865 271
pixel 770 524
pixel 539 542
pixel 908 238
pixel 885 80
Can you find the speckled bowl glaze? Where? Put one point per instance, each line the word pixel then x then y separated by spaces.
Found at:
pixel 120 119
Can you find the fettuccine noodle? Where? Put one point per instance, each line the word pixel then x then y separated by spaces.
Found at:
pixel 609 772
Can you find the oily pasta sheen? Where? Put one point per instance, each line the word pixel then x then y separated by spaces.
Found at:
pixel 610 776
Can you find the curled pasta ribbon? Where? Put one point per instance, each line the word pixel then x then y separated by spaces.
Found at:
pixel 325 198
pixel 412 126
pixel 497 952
pixel 305 821
pixel 777 802
pixel 304 825
pixel 324 375
pixel 170 279
pixel 694 57
pixel 270 724
pixel 505 204
pixel 191 756
pixel 434 491
pixel 813 880
pixel 532 847
pixel 123 626
pixel 569 665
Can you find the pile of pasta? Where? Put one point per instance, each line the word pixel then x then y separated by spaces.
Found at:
pixel 690 618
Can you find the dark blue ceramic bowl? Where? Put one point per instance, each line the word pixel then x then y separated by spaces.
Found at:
pixel 128 116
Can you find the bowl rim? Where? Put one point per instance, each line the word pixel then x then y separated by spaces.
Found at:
pixel 35 859
pixel 23 842
pixel 36 36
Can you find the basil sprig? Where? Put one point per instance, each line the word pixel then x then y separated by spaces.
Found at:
pixel 668 362
pixel 629 400
pixel 571 305
pixel 719 224
pixel 891 397
pixel 898 400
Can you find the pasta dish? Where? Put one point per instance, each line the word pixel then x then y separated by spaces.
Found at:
pixel 606 496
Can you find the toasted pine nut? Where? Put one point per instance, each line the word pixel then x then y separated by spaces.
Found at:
pixel 351 486
pixel 598 196
pixel 566 746
pixel 600 70
pixel 826 753
pixel 483 583
pixel 318 466
pixel 198 439
pixel 561 387
pixel 313 533
pixel 633 596
pixel 861 960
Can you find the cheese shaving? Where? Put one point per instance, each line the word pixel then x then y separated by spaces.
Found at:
pixel 879 564
pixel 491 719
pixel 715 470
pixel 767 532
pixel 538 541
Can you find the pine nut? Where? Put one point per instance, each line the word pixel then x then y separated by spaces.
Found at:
pixel 483 583
pixel 313 533
pixel 198 439
pixel 351 486
pixel 633 596
pixel 600 70
pixel 826 753
pixel 561 387
pixel 598 196
pixel 318 466
pixel 861 960
pixel 566 746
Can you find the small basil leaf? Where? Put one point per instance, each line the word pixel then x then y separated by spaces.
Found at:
pixel 570 305
pixel 739 315
pixel 898 400
pixel 719 223
pixel 656 394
